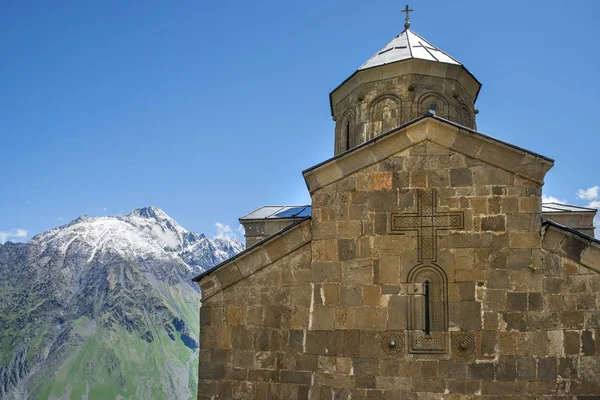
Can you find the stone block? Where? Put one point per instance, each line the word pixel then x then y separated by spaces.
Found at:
pixel 508 343
pixel 526 280
pixel 547 369
pixel 453 369
pixel 371 318
pixel 327 272
pixel 351 295
pixel 526 368
pixel 323 318
pixel 467 291
pixel 358 272
pixel 531 205
pixel 516 301
pixel 371 295
pixel 505 389
pixel 418 179
pixel 389 270
pixel 397 307
pixel 345 318
pixel 506 368
pixel 253 261
pixel 588 369
pixel 536 301
pixel 228 275
pixel 524 240
pixel 330 293
pixel 365 366
pixel 470 315
pixel 515 321
pixel 495 300
pixel 461 177
pixel 494 223
pixel 348 229
pixel 209 285
pixel 467 145
pixel 497 279
pixel 325 250
pixel 588 343
pixel 481 371
pixel 351 340
pixel 314 342
pixel 571 319
pixel 381 181
pixel 334 343
pixel 346 249
pixel 567 368
pixel 370 344
pixel 465 240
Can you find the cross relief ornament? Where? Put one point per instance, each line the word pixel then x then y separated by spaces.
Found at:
pixel 427 222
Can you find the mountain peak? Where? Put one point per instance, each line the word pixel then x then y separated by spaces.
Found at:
pixel 150 212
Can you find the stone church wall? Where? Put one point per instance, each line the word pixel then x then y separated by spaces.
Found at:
pixel 343 316
pixel 251 331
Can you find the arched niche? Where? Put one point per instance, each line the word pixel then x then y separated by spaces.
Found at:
pixel 466 116
pixel 385 114
pixel 345 132
pixel 429 99
pixel 428 310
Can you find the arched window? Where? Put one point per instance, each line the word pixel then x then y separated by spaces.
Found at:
pixel 465 116
pixel 345 132
pixel 435 100
pixel 428 310
pixel 385 115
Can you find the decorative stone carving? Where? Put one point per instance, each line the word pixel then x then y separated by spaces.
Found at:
pixel 428 310
pixel 463 344
pixel 427 221
pixel 385 115
pixel 392 343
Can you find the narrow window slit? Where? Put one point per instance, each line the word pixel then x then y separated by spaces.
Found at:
pixel 427 308
pixel 348 134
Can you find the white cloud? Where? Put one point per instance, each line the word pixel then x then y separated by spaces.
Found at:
pixel 15 233
pixel 552 199
pixel 594 204
pixel 225 232
pixel 588 194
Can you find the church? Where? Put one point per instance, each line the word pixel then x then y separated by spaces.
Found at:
pixel 425 267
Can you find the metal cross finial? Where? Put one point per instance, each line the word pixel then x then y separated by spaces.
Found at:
pixel 407 19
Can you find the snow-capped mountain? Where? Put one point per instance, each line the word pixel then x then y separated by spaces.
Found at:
pixel 104 307
pixel 145 232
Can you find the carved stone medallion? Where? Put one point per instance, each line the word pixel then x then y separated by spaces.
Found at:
pixel 392 343
pixel 463 344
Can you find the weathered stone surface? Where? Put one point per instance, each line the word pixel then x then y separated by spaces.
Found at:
pixel 425 271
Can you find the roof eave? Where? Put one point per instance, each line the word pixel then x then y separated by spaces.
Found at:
pixel 396 62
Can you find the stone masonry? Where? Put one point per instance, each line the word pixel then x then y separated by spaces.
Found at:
pixel 425 272
pixel 314 312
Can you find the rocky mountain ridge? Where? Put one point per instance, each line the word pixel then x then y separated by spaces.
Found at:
pixel 104 307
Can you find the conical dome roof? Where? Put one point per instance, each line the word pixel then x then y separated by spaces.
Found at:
pixel 408 45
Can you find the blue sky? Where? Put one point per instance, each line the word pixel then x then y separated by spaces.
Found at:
pixel 211 109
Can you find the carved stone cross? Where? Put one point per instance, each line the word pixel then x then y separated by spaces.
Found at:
pixel 427 221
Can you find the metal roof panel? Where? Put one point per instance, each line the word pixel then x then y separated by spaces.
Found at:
pixel 408 45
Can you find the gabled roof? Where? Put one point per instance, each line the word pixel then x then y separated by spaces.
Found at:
pixel 451 135
pixel 254 258
pixel 408 45
pixel 562 208
pixel 571 243
pixel 278 212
